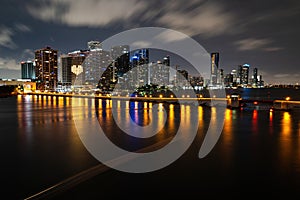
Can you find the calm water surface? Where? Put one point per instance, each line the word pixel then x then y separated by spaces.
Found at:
pixel 258 151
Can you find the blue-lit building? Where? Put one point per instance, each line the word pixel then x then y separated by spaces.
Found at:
pixel 27 70
pixel 120 56
pixel 140 61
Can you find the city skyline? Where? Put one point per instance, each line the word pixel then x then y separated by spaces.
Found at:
pixel 72 64
pixel 265 36
pixel 115 63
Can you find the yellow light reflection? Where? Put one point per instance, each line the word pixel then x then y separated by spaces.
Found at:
pixel 228 124
pixel 287 145
pixel 200 115
pixel 146 119
pixel 171 117
pixel 271 121
pixel 107 103
pixel 100 103
pixel 160 116
pixel 188 113
pixel 228 137
pixel 286 123
pixel 118 104
pixel 160 106
pixel 19 98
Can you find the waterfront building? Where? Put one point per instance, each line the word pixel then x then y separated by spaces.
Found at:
pixel 255 76
pixel 27 70
pixel 72 69
pixel 121 59
pixel 196 81
pixel 214 67
pixel 95 65
pixel 159 73
pixel 181 78
pixel 46 68
pixel 244 78
pixel 220 77
pixel 140 61
pixel 228 80
pixel 260 82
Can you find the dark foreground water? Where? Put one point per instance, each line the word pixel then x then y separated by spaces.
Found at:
pixel 258 152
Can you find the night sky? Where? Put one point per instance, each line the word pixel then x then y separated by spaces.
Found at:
pixel 264 34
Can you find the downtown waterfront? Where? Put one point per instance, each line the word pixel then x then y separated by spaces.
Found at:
pixel 258 151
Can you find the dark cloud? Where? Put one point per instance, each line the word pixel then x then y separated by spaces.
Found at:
pixel 264 34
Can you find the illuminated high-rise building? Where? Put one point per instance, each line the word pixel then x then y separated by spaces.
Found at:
pixel 220 76
pixel 27 70
pixel 72 69
pixel 120 56
pixel 239 74
pixel 182 77
pixel 255 76
pixel 46 68
pixel 214 67
pixel 95 65
pixel 160 73
pixel 140 61
pixel 245 74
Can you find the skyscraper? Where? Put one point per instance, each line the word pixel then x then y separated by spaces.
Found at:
pixel 239 75
pixel 27 70
pixel 72 68
pixel 220 76
pixel 160 72
pixel 95 64
pixel 181 78
pixel 46 68
pixel 120 56
pixel 214 67
pixel 140 61
pixel 255 77
pixel 141 56
pixel 245 75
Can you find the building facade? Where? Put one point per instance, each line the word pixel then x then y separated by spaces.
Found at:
pixel 27 70
pixel 140 66
pixel 245 75
pixel 214 67
pixel 46 68
pixel 72 69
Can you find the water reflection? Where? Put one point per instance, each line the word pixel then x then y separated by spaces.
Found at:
pixel 33 109
pixel 286 124
pixel 255 121
pixel 42 110
pixel 271 128
pixel 286 144
pixel 45 127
